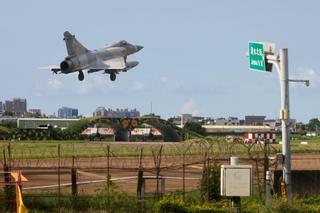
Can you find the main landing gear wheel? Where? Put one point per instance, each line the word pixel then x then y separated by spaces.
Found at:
pixel 113 77
pixel 81 76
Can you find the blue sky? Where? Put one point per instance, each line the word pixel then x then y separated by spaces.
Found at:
pixel 193 59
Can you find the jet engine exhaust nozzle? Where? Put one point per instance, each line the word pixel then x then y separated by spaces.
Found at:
pixel 66 65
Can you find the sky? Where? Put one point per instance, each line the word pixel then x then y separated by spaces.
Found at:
pixel 193 59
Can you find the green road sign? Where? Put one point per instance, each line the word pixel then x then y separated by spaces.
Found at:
pixel 256 56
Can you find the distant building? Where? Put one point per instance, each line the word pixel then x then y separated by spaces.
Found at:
pixel 35 111
pixel 227 122
pixel 1 107
pixel 233 121
pixel 100 111
pixel 185 118
pixel 44 123
pixel 254 119
pixel 209 121
pixel 8 106
pixel 221 121
pixel 273 123
pixel 52 116
pixel 175 120
pixel 19 106
pixel 118 113
pixel 151 115
pixel 67 112
pixel 198 119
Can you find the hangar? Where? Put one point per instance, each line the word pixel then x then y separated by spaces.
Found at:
pixel 44 123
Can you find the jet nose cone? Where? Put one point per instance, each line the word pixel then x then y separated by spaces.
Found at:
pixel 139 47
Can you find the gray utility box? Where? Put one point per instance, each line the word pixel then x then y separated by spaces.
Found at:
pixel 236 180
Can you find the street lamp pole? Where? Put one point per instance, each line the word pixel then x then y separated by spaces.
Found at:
pixel 281 63
pixel 285 119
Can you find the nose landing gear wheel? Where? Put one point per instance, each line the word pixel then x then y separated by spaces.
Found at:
pixel 81 76
pixel 113 77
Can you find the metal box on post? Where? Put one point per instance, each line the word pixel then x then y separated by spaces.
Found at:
pixel 236 180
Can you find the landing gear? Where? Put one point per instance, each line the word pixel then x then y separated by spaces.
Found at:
pixel 81 76
pixel 113 76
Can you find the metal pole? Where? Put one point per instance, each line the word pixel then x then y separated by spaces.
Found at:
pixel 59 187
pixel 235 201
pixel 285 119
pixel 108 176
pixel 183 177
pixel 268 189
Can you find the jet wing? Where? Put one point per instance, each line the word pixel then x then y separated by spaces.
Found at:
pixel 112 64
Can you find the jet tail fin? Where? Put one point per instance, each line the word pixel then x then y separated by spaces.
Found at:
pixel 74 47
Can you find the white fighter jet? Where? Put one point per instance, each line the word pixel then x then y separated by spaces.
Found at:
pixel 112 59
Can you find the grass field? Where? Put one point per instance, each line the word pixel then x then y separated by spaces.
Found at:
pixel 215 146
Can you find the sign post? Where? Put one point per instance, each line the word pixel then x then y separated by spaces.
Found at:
pixel 257 56
pixel 261 58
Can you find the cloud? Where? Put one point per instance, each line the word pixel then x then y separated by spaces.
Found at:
pixel 55 84
pixel 307 74
pixel 138 86
pixel 189 107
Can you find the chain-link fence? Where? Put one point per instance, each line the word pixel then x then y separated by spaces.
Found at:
pixel 145 170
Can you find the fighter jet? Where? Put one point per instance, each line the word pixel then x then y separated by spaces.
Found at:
pixel 111 59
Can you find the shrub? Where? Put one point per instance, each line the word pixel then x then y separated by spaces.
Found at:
pixel 210 183
pixel 171 205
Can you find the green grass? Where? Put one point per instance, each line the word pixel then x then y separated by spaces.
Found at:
pixel 215 146
pixel 123 202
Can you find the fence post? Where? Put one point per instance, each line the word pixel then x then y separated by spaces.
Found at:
pixel 204 175
pixel 7 188
pixel 59 187
pixel 9 156
pixel 183 177
pixel 258 177
pixel 208 178
pixel 108 177
pixel 74 180
pixel 140 177
pixel 163 186
pixel 268 189
pixel 157 163
pixel 140 184
pixel 184 171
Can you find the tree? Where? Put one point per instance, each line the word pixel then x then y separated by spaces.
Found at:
pixel 11 124
pixel 8 113
pixel 195 127
pixel 313 125
pixel 74 131
pixel 301 128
